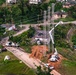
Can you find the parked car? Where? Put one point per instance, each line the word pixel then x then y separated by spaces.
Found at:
pixel 11 44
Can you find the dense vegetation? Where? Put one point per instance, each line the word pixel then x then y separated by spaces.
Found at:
pixel 68 68
pixel 23 12
pixel 2 1
pixel 24 39
pixel 1 46
pixel 2 30
pixel 42 72
pixel 74 38
pixel 60 35
pixel 61 42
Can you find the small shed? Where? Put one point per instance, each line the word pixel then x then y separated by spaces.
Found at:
pixel 39 51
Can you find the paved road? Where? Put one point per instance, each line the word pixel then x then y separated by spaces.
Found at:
pixel 20 32
pixel 73 22
pixel 24 57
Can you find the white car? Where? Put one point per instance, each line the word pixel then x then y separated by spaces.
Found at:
pixel 10 44
pixel 47 66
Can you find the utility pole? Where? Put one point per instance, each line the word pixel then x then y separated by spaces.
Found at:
pixel 52 21
pixel 48 27
pixel 44 27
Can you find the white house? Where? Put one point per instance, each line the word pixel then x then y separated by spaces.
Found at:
pixel 10 1
pixel 34 1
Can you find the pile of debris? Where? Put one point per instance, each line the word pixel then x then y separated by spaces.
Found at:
pixel 39 51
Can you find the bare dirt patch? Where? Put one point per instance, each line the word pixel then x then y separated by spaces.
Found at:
pixel 57 64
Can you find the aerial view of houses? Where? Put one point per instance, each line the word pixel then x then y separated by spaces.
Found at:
pixel 37 37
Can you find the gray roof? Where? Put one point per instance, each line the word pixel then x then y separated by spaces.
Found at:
pixel 7 25
pixel 41 34
pixel 60 13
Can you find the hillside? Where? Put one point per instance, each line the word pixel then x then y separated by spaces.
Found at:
pixel 67 67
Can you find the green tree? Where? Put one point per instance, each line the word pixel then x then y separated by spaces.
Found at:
pixel 44 6
pixel 2 30
pixel 58 6
pixel 52 1
pixel 2 1
pixel 31 32
pixel 72 11
pixel 43 72
pixel 74 39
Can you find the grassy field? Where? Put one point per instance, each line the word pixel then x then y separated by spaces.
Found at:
pixel 68 68
pixel 65 19
pixel 1 46
pixel 13 67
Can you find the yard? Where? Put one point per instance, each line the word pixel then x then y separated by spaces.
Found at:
pixel 67 19
pixel 68 68
pixel 13 66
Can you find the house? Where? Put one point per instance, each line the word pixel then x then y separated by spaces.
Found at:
pixel 71 1
pixel 65 0
pixel 59 15
pixel 68 5
pixel 10 1
pixel 9 27
pixel 42 35
pixel 34 1
pixel 61 0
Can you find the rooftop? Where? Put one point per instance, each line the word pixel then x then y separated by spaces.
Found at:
pixel 41 34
